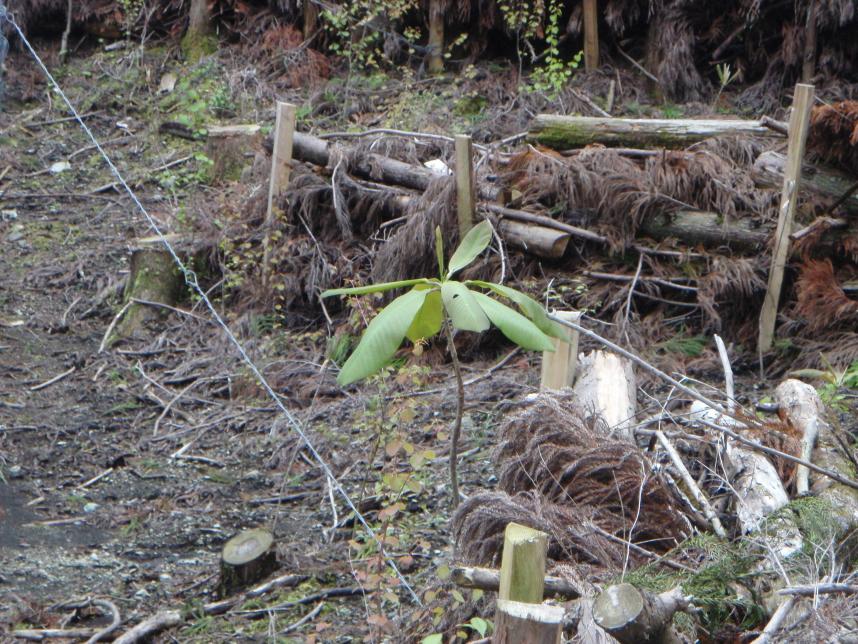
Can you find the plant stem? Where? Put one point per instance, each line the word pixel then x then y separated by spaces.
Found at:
pixel 457 427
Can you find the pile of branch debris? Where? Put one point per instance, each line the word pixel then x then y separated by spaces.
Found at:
pixel 661 228
pixel 700 522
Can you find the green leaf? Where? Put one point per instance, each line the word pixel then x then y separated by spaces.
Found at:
pixel 439 251
pixel 480 625
pixel 475 242
pixel 374 288
pixel 514 325
pixel 529 307
pixel 462 307
pixel 434 638
pixel 429 318
pixel 382 337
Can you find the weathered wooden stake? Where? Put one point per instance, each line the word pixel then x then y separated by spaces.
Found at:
pixel 558 366
pixel 521 617
pixel 523 564
pixel 808 63
pixel 311 15
pixel 465 198
pixel 591 35
pixel 798 127
pixel 281 166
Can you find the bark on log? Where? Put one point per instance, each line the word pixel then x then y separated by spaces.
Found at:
pixel 606 385
pixel 246 558
pixel 768 172
pixel 565 132
pixel 489 579
pixel 521 623
pixel 632 615
pixel 690 227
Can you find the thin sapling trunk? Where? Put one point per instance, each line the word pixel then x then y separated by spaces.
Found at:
pixel 457 426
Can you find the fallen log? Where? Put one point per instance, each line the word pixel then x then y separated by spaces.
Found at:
pixel 690 227
pixel 768 172
pixel 633 615
pixel 489 579
pixel 801 406
pixel 565 132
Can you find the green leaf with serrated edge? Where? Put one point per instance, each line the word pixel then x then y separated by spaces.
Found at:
pixel 475 242
pixel 374 288
pixel 429 318
pixel 439 251
pixel 462 307
pixel 514 325
pixel 529 307
pixel 382 337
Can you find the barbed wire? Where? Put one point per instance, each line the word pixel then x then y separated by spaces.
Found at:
pixel 191 280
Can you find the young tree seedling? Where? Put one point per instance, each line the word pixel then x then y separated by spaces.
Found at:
pixel 433 304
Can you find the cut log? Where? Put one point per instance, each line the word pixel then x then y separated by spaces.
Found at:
pixel 154 277
pixel 228 146
pixel 566 132
pixel 606 386
pixel 768 172
pixel 246 558
pixel 707 228
pixel 799 403
pixel 523 623
pixel 489 579
pixel 632 615
pixel 544 242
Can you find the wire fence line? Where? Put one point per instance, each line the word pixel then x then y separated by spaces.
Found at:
pixel 191 280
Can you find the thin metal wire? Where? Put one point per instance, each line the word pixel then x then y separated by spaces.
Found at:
pixel 191 280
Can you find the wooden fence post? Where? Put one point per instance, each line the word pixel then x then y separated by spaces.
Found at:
pixel 591 35
pixel 521 617
pixel 799 122
pixel 311 15
pixel 558 366
pixel 464 183
pixel 281 166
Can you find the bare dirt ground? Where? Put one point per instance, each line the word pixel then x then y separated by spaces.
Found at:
pixel 125 476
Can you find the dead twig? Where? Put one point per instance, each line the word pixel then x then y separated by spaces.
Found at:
pixel 54 380
pixel 306 618
pixel 154 624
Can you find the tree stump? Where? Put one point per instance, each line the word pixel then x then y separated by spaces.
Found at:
pixel 154 277
pixel 523 623
pixel 227 147
pixel 632 615
pixel 246 558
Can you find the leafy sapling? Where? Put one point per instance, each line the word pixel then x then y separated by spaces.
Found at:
pixel 433 304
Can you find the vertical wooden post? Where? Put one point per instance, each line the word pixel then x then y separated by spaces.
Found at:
pixel 281 166
pixel 798 126
pixel 558 366
pixel 464 183
pixel 311 15
pixel 591 35
pixel 522 574
pixel 520 615
pixel 808 64
pixel 435 57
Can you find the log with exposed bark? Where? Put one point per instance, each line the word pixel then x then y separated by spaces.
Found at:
pixel 690 227
pixel 768 172
pixel 489 579
pixel 246 558
pixel 566 132
pixel 632 615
